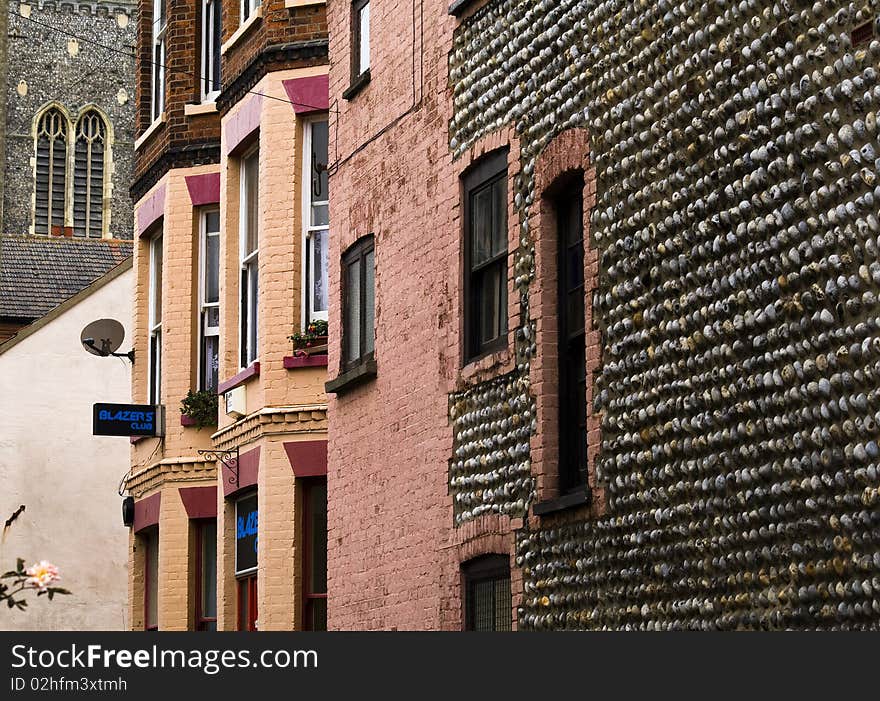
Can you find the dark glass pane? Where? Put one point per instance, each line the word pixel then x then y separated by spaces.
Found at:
pixel 157 279
pixel 252 309
pixel 493 301
pixel 499 216
pixel 210 361
pixel 243 603
pixel 212 269
pixel 320 242
pixel 243 312
pixel 481 226
pixel 251 174
pixel 317 529
pixel 369 303
pixel 215 45
pixel 320 190
pixel 209 569
pixel 316 614
pixel 574 313
pixel 502 604
pixel 484 605
pixel 151 579
pixel 352 320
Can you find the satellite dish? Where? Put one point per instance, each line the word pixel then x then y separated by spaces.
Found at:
pixel 102 337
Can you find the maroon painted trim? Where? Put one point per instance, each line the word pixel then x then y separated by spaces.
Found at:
pixel 187 420
pixel 253 370
pixel 307 458
pixel 310 94
pixel 146 512
pixel 151 210
pixel 199 502
pixel 203 189
pixel 248 471
pixel 305 361
pixel 243 123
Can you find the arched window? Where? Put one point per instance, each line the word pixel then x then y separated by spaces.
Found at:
pixel 88 175
pixel 51 181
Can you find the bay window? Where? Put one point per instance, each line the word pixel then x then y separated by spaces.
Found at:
pixel 211 41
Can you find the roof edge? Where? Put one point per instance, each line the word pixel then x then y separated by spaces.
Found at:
pixel 67 304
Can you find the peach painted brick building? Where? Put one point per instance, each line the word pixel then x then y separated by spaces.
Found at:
pixel 231 226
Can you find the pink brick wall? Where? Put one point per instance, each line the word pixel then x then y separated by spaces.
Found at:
pixel 393 553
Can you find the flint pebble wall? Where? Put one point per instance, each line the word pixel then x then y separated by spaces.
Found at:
pixel 736 155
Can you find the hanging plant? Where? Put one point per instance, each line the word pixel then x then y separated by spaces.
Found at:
pixel 201 407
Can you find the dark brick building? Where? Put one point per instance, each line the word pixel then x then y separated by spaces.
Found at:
pixel 66 150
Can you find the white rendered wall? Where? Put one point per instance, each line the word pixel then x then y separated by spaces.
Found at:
pixel 66 478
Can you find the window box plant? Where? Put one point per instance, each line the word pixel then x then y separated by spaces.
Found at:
pixel 311 342
pixel 199 409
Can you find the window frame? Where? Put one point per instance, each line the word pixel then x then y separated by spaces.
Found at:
pixel 358 70
pixel 247 8
pixel 308 313
pixel 246 584
pixel 211 43
pixel 570 346
pixel 249 264
pixel 489 170
pixel 357 254
pixel 309 597
pixel 154 327
pixel 68 130
pixel 203 306
pixel 104 138
pixel 200 621
pixel 157 66
pixel 491 567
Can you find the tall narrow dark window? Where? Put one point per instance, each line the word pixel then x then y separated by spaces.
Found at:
pixel 88 176
pixel 487 601
pixel 485 257
pixel 571 341
pixel 150 541
pixel 51 182
pixel 206 575
pixel 359 306
pixel 360 44
pixel 315 555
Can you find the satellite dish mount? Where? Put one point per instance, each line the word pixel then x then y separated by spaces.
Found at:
pixel 103 338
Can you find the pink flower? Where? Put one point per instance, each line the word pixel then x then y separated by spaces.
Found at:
pixel 41 575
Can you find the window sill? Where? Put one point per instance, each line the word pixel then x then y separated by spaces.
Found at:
pixel 581 497
pixel 242 30
pixel 486 367
pixel 292 362
pixel 357 85
pixel 345 381
pixel 253 370
pixel 194 109
pixel 303 3
pixel 152 129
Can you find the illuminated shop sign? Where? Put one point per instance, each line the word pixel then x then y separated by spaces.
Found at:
pixel 128 420
pixel 246 534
